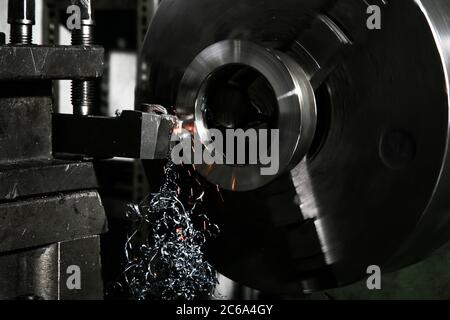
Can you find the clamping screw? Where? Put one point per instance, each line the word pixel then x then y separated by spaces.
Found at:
pixel 21 17
pixel 83 91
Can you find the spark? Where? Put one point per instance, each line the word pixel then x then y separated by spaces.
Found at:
pixel 220 193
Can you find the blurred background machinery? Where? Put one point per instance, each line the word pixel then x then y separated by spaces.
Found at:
pixel 371 189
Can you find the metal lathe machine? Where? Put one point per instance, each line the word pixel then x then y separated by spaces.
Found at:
pixel 362 111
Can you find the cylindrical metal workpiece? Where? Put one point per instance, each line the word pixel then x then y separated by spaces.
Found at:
pixel 21 17
pixel 372 186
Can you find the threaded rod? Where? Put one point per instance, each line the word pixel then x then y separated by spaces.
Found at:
pixel 83 92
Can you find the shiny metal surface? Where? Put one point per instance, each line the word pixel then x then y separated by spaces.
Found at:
pixel 295 106
pixel 21 17
pixel 374 186
pixel 83 92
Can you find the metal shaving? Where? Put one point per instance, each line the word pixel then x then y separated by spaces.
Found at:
pixel 164 253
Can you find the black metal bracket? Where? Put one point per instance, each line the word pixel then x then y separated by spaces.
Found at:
pixel 133 134
pixel 50 62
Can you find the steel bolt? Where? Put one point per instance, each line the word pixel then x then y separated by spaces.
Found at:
pixel 83 92
pixel 21 17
